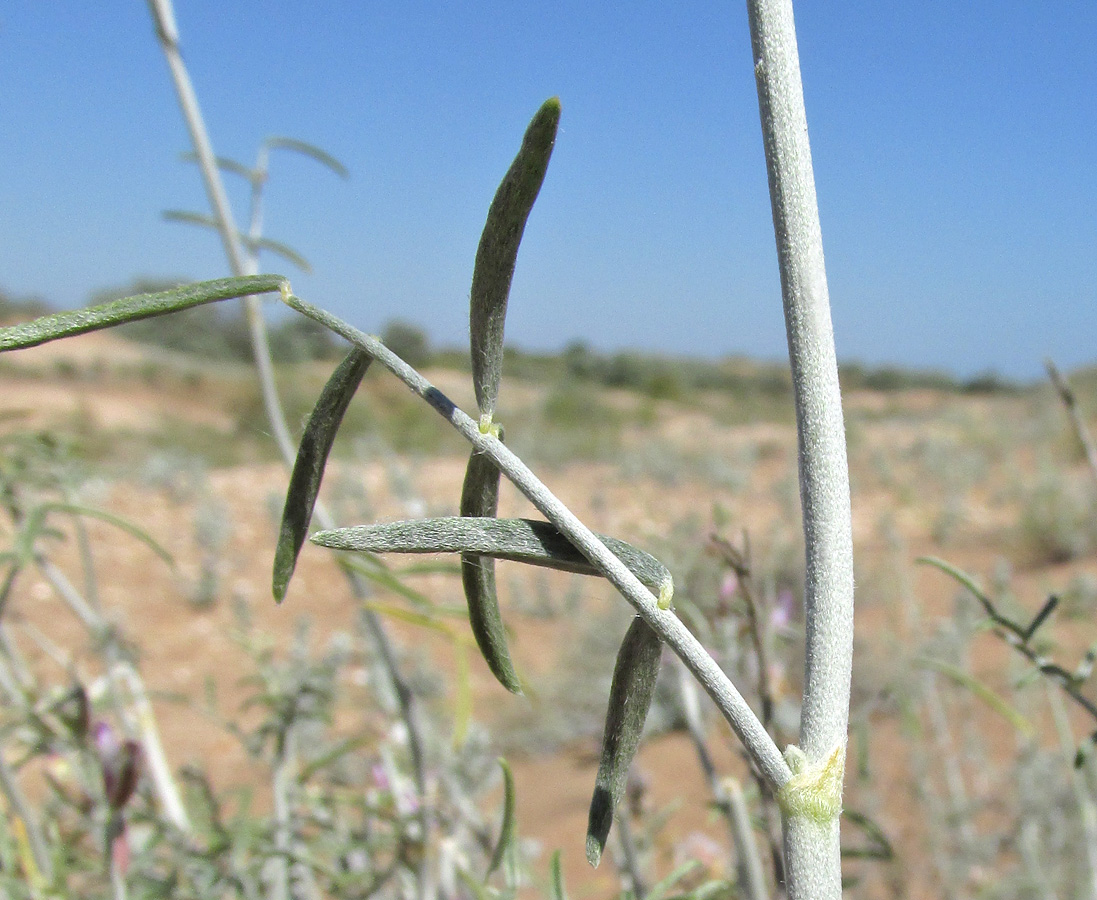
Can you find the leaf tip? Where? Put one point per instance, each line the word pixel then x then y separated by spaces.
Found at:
pixel 598 823
pixel 594 851
pixel 281 580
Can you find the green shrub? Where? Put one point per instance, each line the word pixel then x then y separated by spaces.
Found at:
pixel 1058 521
pixel 409 342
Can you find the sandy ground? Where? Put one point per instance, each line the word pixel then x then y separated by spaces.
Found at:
pixel 898 515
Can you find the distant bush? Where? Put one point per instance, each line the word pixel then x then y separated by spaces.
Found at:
pixel 857 376
pixel 409 342
pixel 1058 522
pixel 13 308
pixel 989 383
pixel 217 332
pixel 297 339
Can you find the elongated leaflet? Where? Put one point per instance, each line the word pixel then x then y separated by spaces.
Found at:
pixel 130 309
pixel 480 498
pixel 629 700
pixel 522 540
pixel 498 251
pixel 507 826
pixel 556 873
pixel 312 457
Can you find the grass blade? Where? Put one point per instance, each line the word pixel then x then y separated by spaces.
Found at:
pixel 135 531
pixel 662 888
pixel 556 875
pixel 370 567
pixel 507 826
pixel 982 691
pixel 630 696
pixel 312 457
pixel 521 540
pixel 130 309
pixel 480 498
pixel 498 252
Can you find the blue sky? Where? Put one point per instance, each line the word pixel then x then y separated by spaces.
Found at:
pixel 955 152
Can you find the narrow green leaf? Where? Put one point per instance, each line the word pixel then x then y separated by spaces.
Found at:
pixel 498 252
pixel 478 890
pixel 980 690
pixel 332 756
pixel 630 696
pixel 556 877
pixel 957 574
pixel 311 150
pixel 223 163
pixel 420 620
pixel 283 250
pixel 312 457
pixel 135 531
pixel 480 498
pixel 660 889
pixel 522 540
pixel 507 826
pixel 130 309
pixel 185 217
pixel 879 847
pixel 367 566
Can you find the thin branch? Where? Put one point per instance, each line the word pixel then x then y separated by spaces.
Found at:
pixel 1087 808
pixel 1019 636
pixel 1070 401
pixel 739 562
pixel 18 802
pixel 168 35
pixel 726 794
pixel 728 700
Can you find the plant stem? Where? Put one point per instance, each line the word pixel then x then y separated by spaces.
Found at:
pixel 761 748
pixel 242 264
pixel 1087 807
pixel 1070 401
pixel 143 721
pixel 812 848
pixel 751 878
pixel 727 796
pixel 630 857
pixel 19 805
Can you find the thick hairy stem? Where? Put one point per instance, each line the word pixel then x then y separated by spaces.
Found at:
pixel 811 842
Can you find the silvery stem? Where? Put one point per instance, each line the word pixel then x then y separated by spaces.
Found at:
pixel 812 847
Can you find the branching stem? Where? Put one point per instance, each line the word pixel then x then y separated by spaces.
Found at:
pixel 761 748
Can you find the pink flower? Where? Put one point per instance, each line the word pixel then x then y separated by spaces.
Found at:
pixel 119 762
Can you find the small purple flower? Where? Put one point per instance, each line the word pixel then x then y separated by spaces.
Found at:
pixel 782 613
pixel 119 762
pixel 380 777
